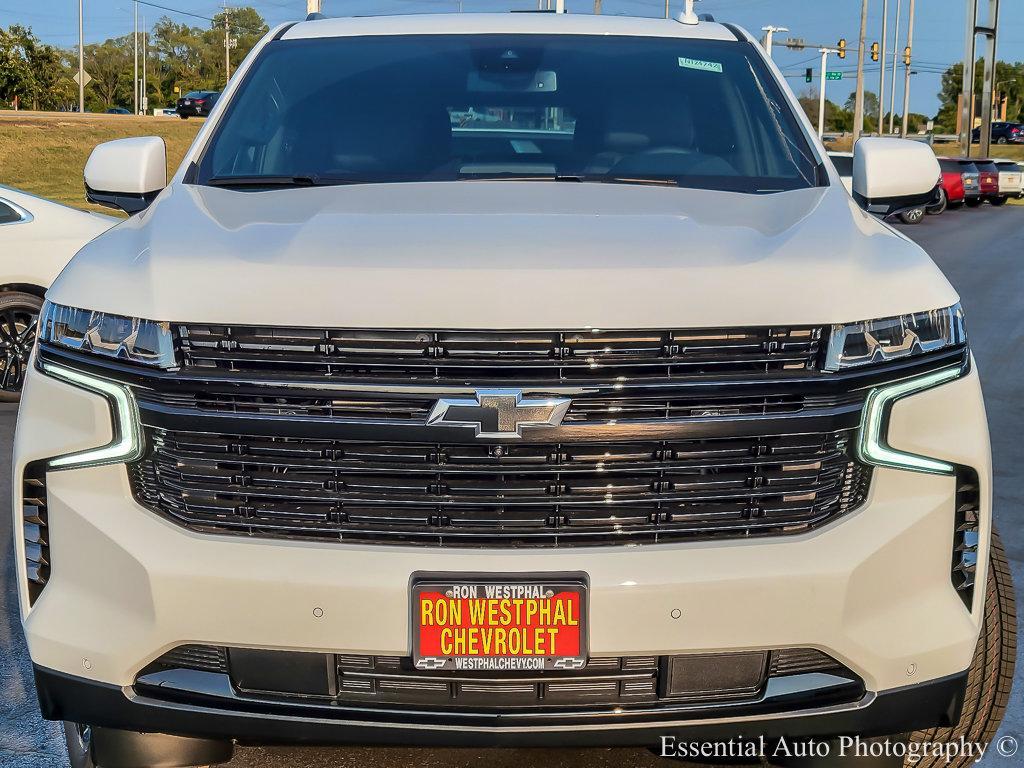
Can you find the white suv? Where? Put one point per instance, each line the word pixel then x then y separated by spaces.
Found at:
pixel 537 383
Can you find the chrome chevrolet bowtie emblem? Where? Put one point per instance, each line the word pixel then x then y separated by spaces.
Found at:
pixel 498 412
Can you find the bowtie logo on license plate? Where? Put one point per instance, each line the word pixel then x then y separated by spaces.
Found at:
pixel 499 412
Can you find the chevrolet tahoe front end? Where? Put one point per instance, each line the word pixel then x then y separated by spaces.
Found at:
pixel 719 434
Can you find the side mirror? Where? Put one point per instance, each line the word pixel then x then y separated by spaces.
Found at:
pixel 893 175
pixel 126 174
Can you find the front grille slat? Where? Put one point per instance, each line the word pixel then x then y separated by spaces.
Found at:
pixel 500 355
pixel 533 495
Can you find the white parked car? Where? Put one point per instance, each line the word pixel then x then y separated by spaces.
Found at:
pixel 1011 178
pixel 37 238
pixel 628 425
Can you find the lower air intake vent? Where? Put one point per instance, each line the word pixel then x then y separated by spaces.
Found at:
pixel 34 527
pixel 965 535
pixel 356 680
pixel 205 658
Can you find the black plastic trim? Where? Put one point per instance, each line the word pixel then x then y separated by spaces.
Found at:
pixel 284 30
pixel 66 697
pixel 129 203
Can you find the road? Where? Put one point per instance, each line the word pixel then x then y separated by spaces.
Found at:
pixel 982 253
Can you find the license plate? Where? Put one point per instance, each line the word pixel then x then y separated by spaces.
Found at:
pixel 499 623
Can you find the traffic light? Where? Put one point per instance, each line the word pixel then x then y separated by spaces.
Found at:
pixel 841 48
pixel 906 56
pixel 808 75
pixel 874 51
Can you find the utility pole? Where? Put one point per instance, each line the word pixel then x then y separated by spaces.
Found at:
pixel 81 61
pixel 597 7
pixel 988 30
pixel 668 10
pixel 858 109
pixel 312 6
pixel 144 99
pixel 881 66
pixel 227 47
pixel 769 31
pixel 895 54
pixel 135 80
pixel 821 92
pixel 906 74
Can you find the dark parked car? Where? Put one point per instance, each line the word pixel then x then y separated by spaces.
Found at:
pixel 988 181
pixel 1002 133
pixel 972 181
pixel 118 111
pixel 196 104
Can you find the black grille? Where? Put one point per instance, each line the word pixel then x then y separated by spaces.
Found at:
pixel 357 680
pixel 499 495
pixel 479 356
pixel 795 661
pixel 393 680
pixel 35 528
pixel 625 408
pixel 206 658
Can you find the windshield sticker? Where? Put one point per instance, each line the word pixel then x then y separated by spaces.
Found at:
pixel 703 66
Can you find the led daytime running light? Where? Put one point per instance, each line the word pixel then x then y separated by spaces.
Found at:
pixel 127 444
pixel 872 446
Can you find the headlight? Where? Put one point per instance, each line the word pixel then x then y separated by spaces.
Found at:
pixel 114 336
pixel 892 338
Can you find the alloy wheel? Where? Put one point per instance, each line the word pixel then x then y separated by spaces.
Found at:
pixel 17 335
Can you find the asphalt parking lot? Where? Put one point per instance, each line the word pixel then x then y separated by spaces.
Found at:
pixel 982 253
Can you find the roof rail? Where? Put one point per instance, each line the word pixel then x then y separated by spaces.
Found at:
pixel 315 17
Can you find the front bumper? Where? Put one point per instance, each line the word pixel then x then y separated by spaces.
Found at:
pixel 872 589
pixel 66 697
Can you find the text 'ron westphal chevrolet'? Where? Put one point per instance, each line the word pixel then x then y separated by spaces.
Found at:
pixel 538 383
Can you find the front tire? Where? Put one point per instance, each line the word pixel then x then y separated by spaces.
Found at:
pixel 1001 140
pixel 990 676
pixel 972 202
pixel 78 740
pixel 941 207
pixel 913 216
pixel 999 200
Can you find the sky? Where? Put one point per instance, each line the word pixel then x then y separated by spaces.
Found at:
pixel 938 29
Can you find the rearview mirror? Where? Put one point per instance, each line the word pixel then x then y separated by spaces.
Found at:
pixel 127 173
pixel 893 175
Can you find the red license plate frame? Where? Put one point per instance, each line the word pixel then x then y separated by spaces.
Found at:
pixel 488 630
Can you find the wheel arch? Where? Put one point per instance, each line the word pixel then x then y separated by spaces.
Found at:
pixel 30 288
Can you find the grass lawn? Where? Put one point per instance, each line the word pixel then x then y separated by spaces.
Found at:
pixel 44 153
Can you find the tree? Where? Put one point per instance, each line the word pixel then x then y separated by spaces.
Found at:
pixel 16 80
pixel 1009 81
pixel 111 65
pixel 870 103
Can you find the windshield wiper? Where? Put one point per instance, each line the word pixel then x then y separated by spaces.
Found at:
pixel 286 181
pixel 262 181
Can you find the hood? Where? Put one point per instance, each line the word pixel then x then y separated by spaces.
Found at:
pixel 503 255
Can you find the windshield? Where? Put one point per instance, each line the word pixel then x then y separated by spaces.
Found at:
pixel 694 113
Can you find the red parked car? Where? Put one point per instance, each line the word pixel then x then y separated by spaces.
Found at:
pixel 952 181
pixel 988 181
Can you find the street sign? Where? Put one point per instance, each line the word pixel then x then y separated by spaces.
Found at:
pixel 88 78
pixel 833 75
